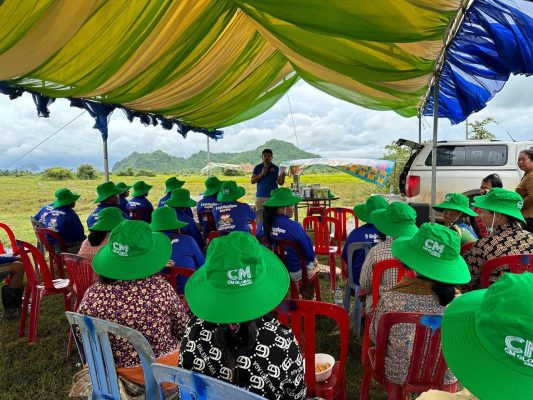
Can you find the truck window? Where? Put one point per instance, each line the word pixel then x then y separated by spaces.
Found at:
pixel 476 155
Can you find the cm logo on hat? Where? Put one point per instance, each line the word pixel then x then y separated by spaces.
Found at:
pixel 120 249
pixel 526 348
pixel 434 248
pixel 240 276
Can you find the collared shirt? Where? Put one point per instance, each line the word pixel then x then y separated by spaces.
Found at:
pixel 191 229
pixel 93 217
pixel 505 240
pixel 123 205
pixel 284 228
pixel 273 368
pixel 149 305
pixel 43 212
pixel 525 189
pixel 267 183
pixel 366 233
pixel 66 223
pixel 233 216
pixel 141 204
pixel 185 253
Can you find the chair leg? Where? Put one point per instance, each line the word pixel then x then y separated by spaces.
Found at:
pixel 344 270
pixel 316 283
pixel 34 315
pixel 366 380
pixel 333 271
pixel 357 316
pixel 24 311
pixel 396 392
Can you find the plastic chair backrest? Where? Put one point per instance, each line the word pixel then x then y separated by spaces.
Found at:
pixel 341 214
pixel 280 249
pixel 36 269
pixel 352 248
pixel 96 349
pixel 207 221
pixel 321 233
pixel 517 264
pixel 172 273
pixel 79 272
pixel 194 385
pixel 467 246
pixel 253 226
pixel 377 273
pixel 44 234
pixel 298 314
pixel 427 366
pixel 11 236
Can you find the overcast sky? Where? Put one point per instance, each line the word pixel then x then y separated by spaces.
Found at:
pixel 324 125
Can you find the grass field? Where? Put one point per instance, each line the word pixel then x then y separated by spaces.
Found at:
pixel 43 371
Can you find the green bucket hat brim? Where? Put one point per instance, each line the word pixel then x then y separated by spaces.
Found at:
pixel 158 226
pixel 480 202
pixel 103 196
pixel 110 265
pixel 466 355
pixel 180 203
pixel 68 200
pixel 451 206
pixel 173 187
pixel 280 202
pixel 448 271
pixel 240 192
pixel 124 189
pixel 211 191
pixel 361 214
pixel 228 306
pixel 142 191
pixel 390 228
pixel 105 225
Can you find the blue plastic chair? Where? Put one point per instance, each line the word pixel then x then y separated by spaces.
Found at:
pixel 95 349
pixel 353 288
pixel 195 386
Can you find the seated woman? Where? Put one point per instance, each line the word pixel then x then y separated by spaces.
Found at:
pixel 180 200
pixel 98 237
pixel 455 209
pixel 231 336
pixel 230 214
pixel 278 225
pixel 433 254
pixel 130 293
pixel 12 292
pixel 185 251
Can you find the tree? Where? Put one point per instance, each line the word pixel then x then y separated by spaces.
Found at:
pixel 87 172
pixel 479 132
pixel 57 174
pixel 400 155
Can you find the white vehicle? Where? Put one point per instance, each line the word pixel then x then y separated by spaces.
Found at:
pixel 461 165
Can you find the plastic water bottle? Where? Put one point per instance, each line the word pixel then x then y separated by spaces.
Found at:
pixel 339 297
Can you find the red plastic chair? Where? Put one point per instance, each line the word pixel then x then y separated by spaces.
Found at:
pixel 54 257
pixel 207 221
pixel 426 368
pixel 315 208
pixel 214 234
pixel 515 264
pixel 11 237
pixel 281 251
pixel 37 287
pixel 298 313
pixel 324 244
pixel 171 274
pixel 342 215
pixel 253 227
pixel 467 246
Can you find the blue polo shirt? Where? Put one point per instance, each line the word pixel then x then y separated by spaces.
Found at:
pixel 66 223
pixel 185 253
pixel 143 205
pixel 365 233
pixel 166 197
pixel 123 204
pixel 191 229
pixel 233 216
pixel 93 217
pixel 284 228
pixel 267 183
pixel 206 204
pixel 41 215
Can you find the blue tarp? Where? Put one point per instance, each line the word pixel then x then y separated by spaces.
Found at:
pixel 494 41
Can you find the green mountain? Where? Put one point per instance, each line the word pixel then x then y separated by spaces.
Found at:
pixel 159 161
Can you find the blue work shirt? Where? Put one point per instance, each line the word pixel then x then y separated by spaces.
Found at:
pixel 93 217
pixel 206 204
pixel 284 228
pixel 66 223
pixel 365 233
pixel 191 229
pixel 233 216
pixel 142 205
pixel 185 253
pixel 41 215
pixel 267 183
pixel 123 205
pixel 166 197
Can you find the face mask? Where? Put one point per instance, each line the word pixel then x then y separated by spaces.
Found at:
pixel 491 229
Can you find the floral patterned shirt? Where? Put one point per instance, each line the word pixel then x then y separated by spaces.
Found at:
pixel 149 305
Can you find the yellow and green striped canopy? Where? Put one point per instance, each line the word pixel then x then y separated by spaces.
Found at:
pixel 214 63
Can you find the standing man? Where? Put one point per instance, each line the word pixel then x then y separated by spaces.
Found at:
pixel 267 177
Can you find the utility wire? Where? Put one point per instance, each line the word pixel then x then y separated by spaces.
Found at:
pixel 292 117
pixel 53 134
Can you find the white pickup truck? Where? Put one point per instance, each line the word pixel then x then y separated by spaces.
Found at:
pixel 461 165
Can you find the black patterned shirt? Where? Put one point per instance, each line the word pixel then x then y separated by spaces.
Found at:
pixel 272 369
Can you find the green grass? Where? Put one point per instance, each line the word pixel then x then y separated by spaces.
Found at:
pixel 43 371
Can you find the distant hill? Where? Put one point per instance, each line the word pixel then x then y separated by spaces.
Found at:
pixel 159 161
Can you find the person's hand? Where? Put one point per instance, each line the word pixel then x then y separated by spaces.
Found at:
pixel 265 169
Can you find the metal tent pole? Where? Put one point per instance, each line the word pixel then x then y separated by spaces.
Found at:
pixel 208 157
pixel 434 151
pixel 106 160
pixel 419 127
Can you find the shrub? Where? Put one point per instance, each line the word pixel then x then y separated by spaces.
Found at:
pixel 127 172
pixel 143 172
pixel 87 172
pixel 58 174
pixel 232 172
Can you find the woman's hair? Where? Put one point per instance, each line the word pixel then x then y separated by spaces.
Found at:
pixel 494 179
pixel 235 342
pixel 107 281
pixel 528 153
pixel 382 236
pixel 96 237
pixel 269 213
pixel 445 292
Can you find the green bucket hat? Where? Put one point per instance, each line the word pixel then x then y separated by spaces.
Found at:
pixel 165 219
pixel 455 201
pixel 180 198
pixel 373 203
pixel 123 187
pixel 173 183
pixel 140 188
pixel 240 281
pixel 501 201
pixel 229 191
pixel 282 197
pixel 63 197
pixel 434 252
pixel 133 252
pixel 212 186
pixel 105 191
pixel 108 218
pixel 397 219
pixel 487 339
